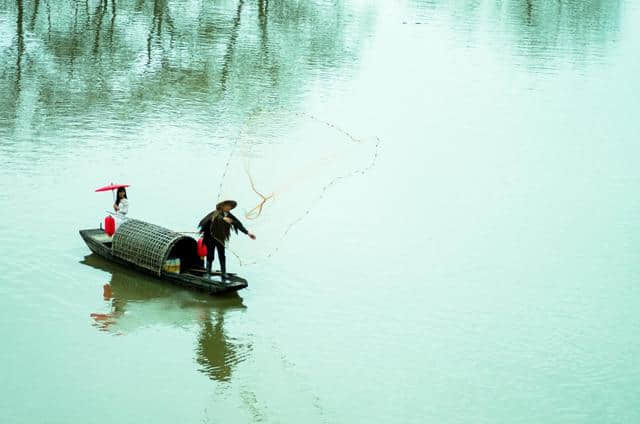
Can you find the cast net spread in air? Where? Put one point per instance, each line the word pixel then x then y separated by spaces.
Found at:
pixel 278 181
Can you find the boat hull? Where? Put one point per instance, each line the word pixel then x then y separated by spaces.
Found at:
pixel 204 284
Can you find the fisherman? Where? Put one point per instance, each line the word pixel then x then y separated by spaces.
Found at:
pixel 215 228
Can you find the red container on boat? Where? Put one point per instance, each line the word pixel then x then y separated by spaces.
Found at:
pixel 202 248
pixel 109 225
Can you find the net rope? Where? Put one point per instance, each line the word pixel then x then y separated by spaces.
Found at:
pixel 256 211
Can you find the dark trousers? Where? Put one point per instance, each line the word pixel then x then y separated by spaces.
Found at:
pixel 212 246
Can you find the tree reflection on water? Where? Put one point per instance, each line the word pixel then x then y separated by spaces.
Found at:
pixel 541 30
pixel 182 54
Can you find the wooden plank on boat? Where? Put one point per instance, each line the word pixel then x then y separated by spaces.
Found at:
pixel 201 270
pixel 102 238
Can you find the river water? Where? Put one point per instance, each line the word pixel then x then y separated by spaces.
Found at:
pixel 453 235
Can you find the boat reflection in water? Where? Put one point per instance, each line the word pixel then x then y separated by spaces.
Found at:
pixel 138 302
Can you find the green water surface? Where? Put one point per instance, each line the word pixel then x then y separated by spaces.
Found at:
pixel 454 235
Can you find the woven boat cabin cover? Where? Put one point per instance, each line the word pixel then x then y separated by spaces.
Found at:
pixel 149 246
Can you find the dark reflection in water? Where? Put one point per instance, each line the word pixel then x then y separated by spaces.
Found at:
pixel 542 30
pixel 215 352
pixel 20 47
pixel 182 54
pixel 233 39
pixel 157 303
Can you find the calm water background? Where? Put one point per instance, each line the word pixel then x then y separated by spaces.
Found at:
pixel 479 264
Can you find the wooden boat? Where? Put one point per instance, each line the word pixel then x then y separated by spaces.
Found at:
pixel 149 248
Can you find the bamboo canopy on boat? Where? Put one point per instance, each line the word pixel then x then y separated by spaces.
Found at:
pixel 149 246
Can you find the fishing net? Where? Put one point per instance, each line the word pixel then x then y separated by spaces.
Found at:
pixel 279 181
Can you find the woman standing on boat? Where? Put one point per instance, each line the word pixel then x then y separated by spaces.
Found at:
pixel 216 229
pixel 121 205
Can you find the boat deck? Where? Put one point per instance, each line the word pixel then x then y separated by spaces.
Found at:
pixel 102 237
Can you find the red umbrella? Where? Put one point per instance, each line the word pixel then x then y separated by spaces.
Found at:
pixel 112 187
